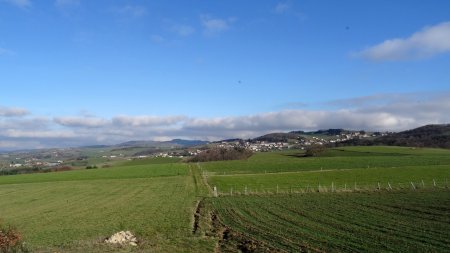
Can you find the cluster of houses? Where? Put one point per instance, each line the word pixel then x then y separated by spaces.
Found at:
pixel 179 154
pixel 301 143
pixel 35 163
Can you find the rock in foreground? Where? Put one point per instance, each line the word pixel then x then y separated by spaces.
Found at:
pixel 122 237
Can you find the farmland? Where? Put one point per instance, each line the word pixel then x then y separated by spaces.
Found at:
pixel 344 222
pixel 353 199
pixel 338 158
pixel 350 168
pixel 346 199
pixel 70 211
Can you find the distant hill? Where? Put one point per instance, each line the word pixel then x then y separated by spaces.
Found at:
pixel 186 143
pixel 297 135
pixel 433 136
pixel 278 137
pixel 427 136
pixel 137 144
pixel 174 142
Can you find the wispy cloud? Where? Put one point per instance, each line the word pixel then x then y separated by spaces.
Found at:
pixel 282 7
pixel 81 121
pixel 156 38
pixel 4 51
pixel 13 112
pixel 213 26
pixel 428 42
pixel 19 3
pixel 378 112
pixel 142 121
pixel 132 10
pixel 67 3
pixel 183 30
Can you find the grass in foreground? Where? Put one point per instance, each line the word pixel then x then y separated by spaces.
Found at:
pixel 76 211
pixel 344 222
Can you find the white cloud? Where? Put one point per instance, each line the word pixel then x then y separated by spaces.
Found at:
pixel 81 121
pixel 19 3
pixel 14 133
pixel 67 3
pixel 139 121
pixel 213 26
pixel 157 38
pixel 132 10
pixel 281 8
pixel 428 42
pixel 376 112
pixel 13 112
pixel 4 51
pixel 183 30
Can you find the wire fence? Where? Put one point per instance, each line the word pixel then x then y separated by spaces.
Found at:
pixel 252 189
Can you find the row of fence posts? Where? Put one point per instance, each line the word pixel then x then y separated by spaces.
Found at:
pixel 321 188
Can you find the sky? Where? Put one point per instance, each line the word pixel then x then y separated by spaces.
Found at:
pixel 82 72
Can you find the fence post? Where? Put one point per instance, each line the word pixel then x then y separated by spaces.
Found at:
pixel 423 184
pixel 390 187
pixel 379 187
pixel 332 186
pixel 414 187
pixel 215 191
pixel 245 191
pixel 231 191
pixel 277 188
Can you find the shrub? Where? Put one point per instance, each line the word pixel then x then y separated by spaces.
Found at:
pixel 315 150
pixel 11 240
pixel 222 154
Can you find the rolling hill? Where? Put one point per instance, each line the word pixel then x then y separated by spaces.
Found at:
pixel 433 136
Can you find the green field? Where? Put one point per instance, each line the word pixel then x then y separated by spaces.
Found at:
pixel 336 169
pixel 69 211
pixel 154 160
pixel 338 158
pixel 292 203
pixel 338 180
pixel 344 222
pixel 371 199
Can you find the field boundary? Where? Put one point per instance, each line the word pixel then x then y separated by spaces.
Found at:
pixel 333 188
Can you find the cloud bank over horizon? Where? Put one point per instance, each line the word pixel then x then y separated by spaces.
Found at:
pixel 20 129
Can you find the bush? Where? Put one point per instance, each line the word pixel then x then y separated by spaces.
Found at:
pixel 222 154
pixel 315 150
pixel 11 240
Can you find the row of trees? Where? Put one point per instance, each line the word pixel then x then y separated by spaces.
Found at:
pixel 222 154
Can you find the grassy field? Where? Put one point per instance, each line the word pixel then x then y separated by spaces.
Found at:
pixel 371 199
pixel 120 172
pixel 345 222
pixel 338 158
pixel 339 180
pixel 336 169
pixel 70 211
pixel 157 200
pixel 154 160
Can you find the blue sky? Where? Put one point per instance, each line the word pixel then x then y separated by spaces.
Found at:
pixel 78 72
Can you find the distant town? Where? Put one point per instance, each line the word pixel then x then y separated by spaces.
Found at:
pixel 102 155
